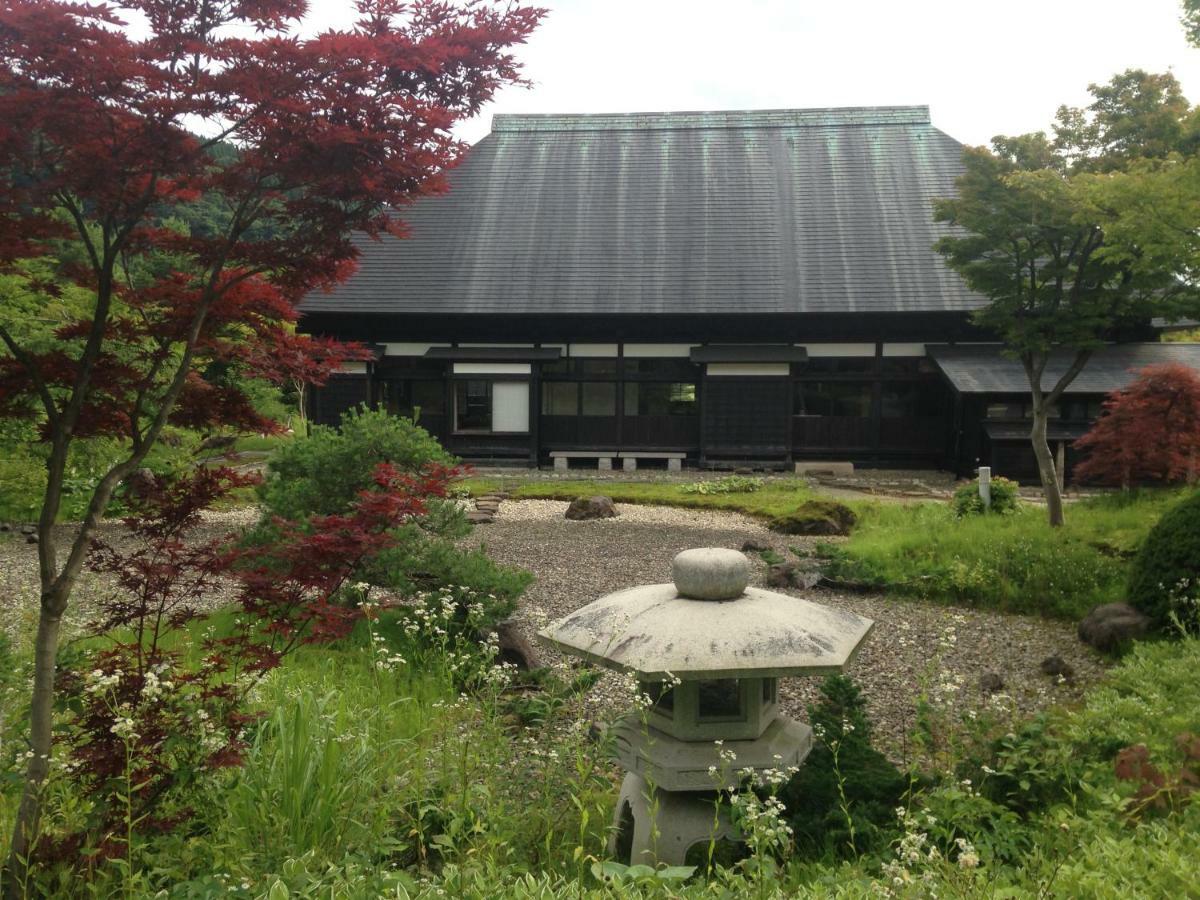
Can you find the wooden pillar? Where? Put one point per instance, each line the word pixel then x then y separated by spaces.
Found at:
pixel 535 412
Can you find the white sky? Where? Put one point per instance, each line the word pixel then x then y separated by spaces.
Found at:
pixel 984 68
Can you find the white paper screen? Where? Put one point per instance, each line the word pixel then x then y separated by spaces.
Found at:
pixel 510 406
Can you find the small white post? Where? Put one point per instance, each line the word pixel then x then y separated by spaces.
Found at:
pixel 985 486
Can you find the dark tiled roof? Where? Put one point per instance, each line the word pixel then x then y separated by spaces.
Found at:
pixel 984 370
pixel 774 211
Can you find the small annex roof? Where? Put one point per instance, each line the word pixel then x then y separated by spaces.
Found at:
pixel 676 213
pixel 984 369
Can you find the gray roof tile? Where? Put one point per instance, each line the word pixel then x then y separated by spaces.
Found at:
pixel 775 211
pixel 983 369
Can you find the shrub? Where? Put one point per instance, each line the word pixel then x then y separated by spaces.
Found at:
pixel 1006 498
pixel 323 473
pixel 873 786
pixel 1165 580
pixel 730 484
pixel 1150 431
pixel 820 517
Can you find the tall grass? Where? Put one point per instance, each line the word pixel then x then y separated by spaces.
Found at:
pixel 1016 563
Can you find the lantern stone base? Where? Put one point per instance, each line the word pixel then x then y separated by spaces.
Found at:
pixel 653 826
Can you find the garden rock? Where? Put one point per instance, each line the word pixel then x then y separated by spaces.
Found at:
pixel 788 574
pixel 1109 626
pixel 599 507
pixel 991 683
pixel 754 545
pixel 217 442
pixel 479 517
pixel 1057 667
pixel 514 648
pixel 141 483
pixel 816 517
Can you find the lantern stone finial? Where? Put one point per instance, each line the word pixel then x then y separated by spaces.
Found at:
pixel 710 573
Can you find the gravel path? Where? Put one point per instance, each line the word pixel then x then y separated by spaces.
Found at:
pixel 19 590
pixel 576 562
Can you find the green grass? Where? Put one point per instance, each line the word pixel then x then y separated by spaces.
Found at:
pixel 776 497
pixel 1015 563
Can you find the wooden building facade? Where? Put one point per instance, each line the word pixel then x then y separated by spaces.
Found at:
pixel 717 288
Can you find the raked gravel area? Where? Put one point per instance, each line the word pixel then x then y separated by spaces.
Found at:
pixel 576 562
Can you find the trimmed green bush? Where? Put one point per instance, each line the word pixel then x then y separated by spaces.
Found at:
pixel 873 786
pixel 1164 582
pixel 1006 498
pixel 322 474
pixel 819 517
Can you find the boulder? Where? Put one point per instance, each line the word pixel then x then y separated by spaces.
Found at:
pixel 514 647
pixel 141 484
pixel 1057 667
pixel 991 682
pixel 1112 625
pixel 788 574
pixel 816 517
pixel 217 442
pixel 591 508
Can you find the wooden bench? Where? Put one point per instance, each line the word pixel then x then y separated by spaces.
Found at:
pixel 629 459
pixel 562 458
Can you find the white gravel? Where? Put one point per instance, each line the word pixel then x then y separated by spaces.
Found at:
pixel 576 562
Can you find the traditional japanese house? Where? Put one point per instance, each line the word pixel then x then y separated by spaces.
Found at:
pixel 692 288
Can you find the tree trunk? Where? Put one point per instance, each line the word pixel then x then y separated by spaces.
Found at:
pixel 1045 461
pixel 41 721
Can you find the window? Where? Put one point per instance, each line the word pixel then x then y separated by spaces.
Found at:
pixel 651 399
pixel 1081 410
pixel 473 405
pixel 599 398
pixel 911 401
pixel 833 398
pixel 498 407
pixel 1015 409
pixel 406 397
pixel 661 694
pixel 560 398
pixel 719 700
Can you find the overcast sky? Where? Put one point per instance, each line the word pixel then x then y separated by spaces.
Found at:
pixel 984 68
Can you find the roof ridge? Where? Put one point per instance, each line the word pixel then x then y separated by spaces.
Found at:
pixel 746 118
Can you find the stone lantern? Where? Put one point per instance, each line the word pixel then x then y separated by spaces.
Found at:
pixel 708 651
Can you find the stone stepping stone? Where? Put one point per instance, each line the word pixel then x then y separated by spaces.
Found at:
pixel 479 517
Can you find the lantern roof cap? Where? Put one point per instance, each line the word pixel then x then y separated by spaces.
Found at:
pixel 698 628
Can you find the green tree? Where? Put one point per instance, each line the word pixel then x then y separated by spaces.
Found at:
pixel 1030 235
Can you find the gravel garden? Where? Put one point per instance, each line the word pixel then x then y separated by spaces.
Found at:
pixel 323 716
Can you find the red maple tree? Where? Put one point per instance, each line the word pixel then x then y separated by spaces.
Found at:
pixel 1149 432
pixel 288 143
